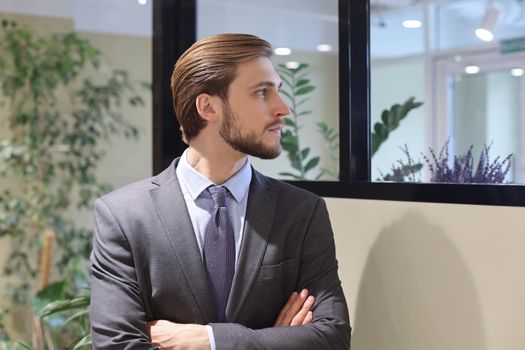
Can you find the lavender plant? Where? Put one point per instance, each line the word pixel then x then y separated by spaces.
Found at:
pixel 403 171
pixel 463 170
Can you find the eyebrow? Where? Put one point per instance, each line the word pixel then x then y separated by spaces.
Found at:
pixel 266 83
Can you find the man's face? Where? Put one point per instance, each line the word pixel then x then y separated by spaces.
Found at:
pixel 253 114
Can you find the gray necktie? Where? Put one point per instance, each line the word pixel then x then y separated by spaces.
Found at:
pixel 219 251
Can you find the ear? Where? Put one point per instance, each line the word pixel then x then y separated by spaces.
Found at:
pixel 207 107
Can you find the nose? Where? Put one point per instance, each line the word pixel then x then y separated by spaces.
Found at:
pixel 281 108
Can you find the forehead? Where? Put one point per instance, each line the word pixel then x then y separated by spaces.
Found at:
pixel 254 71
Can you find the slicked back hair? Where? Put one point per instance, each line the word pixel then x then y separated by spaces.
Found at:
pixel 209 66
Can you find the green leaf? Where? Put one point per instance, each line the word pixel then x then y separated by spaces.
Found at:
pixel 295 160
pixel 304 113
pixel 293 176
pixel 287 82
pixel 21 346
pixel 302 101
pixel 302 82
pixel 290 147
pixel 311 164
pixel 289 122
pixel 76 315
pixel 64 305
pixel 282 69
pixel 322 126
pixel 285 93
pixel 82 342
pixel 381 130
pixel 305 152
pixel 301 67
pixel 304 90
pixel 384 116
pixel 52 292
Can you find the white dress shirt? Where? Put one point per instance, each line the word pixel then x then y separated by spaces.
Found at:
pixel 200 204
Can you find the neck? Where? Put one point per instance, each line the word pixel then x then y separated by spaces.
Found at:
pixel 217 164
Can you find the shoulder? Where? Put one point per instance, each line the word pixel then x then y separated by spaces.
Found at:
pixel 130 193
pixel 136 194
pixel 287 192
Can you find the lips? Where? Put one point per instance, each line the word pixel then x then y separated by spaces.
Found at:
pixel 276 128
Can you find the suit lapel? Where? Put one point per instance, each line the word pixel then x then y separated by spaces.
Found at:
pixel 259 219
pixel 171 207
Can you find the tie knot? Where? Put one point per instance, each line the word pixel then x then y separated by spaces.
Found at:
pixel 218 194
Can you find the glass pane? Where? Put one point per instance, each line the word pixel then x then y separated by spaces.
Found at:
pixel 486 111
pixel 309 30
pixel 75 121
pixel 463 124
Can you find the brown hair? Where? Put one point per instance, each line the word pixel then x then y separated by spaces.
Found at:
pixel 209 66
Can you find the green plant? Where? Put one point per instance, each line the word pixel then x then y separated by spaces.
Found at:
pixel 331 137
pixel 64 320
pixel 9 345
pixel 403 171
pixel 296 88
pixel 60 104
pixel 60 320
pixel 390 119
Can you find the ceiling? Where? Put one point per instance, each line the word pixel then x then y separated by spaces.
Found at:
pixel 126 17
pixel 452 26
pixel 299 24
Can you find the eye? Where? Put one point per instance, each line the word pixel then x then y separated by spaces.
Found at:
pixel 261 92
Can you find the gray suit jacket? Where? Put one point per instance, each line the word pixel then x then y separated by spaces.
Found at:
pixel 146 265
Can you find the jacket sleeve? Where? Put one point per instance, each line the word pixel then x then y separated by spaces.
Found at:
pixel 118 319
pixel 330 328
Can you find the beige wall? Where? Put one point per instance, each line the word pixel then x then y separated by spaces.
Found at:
pixel 431 276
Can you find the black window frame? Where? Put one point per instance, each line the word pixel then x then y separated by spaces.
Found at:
pixel 175 30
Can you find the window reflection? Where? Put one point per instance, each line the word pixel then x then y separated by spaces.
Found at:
pixel 465 64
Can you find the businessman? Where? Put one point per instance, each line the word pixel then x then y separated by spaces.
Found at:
pixel 211 254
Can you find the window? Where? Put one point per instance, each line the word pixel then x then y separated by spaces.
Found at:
pixel 460 93
pixel 373 76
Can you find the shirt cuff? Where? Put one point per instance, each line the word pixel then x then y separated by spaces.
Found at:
pixel 211 337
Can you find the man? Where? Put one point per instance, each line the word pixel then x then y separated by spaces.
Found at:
pixel 210 254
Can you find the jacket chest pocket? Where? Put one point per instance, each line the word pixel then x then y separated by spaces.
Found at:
pixel 283 270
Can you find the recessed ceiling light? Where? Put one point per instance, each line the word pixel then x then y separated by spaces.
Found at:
pixel 471 69
pixel 412 23
pixel 324 47
pixel 292 65
pixel 517 72
pixel 282 51
pixel 143 2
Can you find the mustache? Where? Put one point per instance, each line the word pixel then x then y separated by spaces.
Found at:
pixel 275 125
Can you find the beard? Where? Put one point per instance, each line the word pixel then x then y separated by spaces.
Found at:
pixel 247 143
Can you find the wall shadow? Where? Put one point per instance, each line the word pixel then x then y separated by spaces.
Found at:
pixel 416 293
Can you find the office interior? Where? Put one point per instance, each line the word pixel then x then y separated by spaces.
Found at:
pixel 426 273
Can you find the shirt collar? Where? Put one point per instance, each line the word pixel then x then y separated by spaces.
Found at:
pixel 195 182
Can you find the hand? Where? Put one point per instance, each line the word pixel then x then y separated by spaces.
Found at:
pixel 176 336
pixel 297 311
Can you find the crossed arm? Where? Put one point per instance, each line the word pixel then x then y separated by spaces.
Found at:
pixel 175 336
